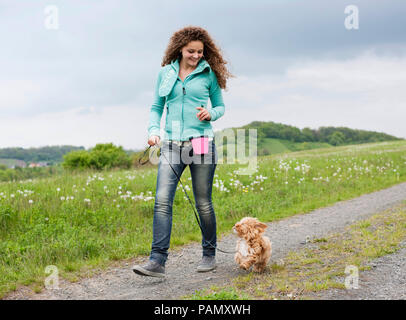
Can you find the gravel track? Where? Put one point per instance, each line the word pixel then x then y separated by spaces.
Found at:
pixel 286 235
pixel 385 281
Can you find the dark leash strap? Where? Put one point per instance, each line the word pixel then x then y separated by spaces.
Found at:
pixel 190 201
pixel 143 155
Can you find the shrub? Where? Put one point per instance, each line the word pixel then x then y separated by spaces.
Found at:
pixel 107 156
pixel 76 160
pixel 102 156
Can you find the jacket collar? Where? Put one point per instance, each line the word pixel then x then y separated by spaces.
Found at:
pixel 202 65
pixel 171 74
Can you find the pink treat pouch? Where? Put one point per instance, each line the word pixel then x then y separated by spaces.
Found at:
pixel 200 145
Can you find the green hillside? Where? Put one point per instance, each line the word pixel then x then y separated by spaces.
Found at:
pixel 50 154
pixel 269 146
pixel 273 138
pixel 272 146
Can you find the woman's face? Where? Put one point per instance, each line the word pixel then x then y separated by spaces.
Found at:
pixel 192 53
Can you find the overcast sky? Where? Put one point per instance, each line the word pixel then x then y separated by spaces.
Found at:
pixel 91 79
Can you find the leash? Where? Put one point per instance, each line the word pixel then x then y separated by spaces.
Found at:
pixel 190 201
pixel 139 160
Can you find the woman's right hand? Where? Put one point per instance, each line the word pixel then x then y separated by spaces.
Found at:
pixel 153 140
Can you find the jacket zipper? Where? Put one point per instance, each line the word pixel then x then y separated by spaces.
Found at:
pixel 183 103
pixel 183 98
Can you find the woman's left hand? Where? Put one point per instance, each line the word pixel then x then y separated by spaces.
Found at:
pixel 203 114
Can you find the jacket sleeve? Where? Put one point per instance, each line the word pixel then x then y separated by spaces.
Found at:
pixel 157 108
pixel 216 98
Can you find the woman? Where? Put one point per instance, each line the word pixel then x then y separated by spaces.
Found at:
pixel 193 71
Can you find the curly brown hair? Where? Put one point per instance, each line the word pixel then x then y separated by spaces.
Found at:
pixel 211 53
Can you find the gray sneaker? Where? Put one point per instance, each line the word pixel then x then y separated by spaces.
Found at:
pixel 208 263
pixel 151 268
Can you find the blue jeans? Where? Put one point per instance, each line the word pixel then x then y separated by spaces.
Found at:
pixel 202 169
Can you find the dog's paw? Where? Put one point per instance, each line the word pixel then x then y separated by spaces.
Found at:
pixel 258 268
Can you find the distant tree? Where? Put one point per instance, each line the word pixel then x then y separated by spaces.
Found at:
pixel 271 131
pixel 50 154
pixel 308 134
pixel 336 138
pixel 337 135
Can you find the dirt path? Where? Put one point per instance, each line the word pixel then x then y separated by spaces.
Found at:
pixel 181 277
pixel 385 281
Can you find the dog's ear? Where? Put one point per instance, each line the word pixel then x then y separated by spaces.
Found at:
pixel 261 226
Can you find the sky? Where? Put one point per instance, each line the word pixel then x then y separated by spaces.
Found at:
pixel 83 72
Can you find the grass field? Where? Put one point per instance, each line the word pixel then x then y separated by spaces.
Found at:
pixel 272 146
pixel 84 221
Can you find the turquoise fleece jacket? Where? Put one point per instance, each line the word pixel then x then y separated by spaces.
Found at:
pixel 182 98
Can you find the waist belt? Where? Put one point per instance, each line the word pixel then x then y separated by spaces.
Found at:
pixel 184 143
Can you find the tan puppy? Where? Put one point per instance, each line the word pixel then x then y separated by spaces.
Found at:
pixel 253 249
